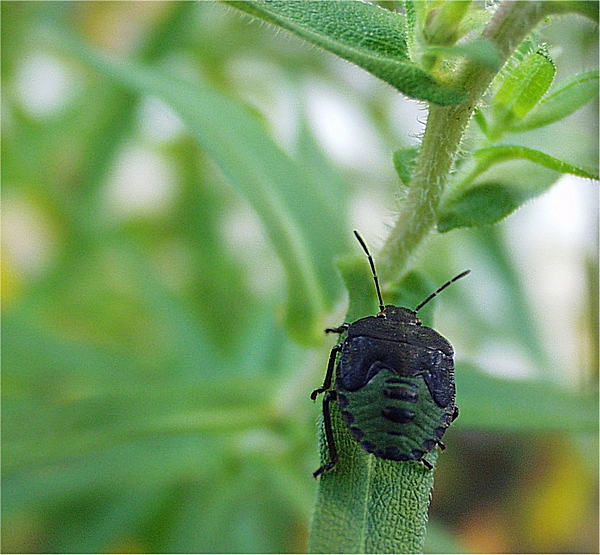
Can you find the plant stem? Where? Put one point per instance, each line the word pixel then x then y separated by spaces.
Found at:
pixel 444 131
pixel 368 505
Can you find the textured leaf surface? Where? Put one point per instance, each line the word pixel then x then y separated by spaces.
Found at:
pixel 522 88
pixel 368 505
pixel 364 34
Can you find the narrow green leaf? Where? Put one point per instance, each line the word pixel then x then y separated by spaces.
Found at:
pixel 319 168
pixel 90 403
pixel 492 403
pixel 571 94
pixel 366 504
pixel 487 157
pixel 489 201
pixel 366 35
pixel 522 89
pixel 299 219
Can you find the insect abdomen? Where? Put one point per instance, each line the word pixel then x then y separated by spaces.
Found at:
pixel 394 417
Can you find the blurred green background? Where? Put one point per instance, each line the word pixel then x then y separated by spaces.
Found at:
pixel 153 397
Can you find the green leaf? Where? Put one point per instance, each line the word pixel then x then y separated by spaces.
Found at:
pixel 411 24
pixel 481 52
pixel 571 94
pixel 366 35
pixel 304 227
pixel 440 539
pixel 369 505
pixel 481 120
pixel 366 504
pixel 491 200
pixel 90 403
pixel 487 157
pixel 319 168
pixel 443 23
pixel 586 8
pixel 522 89
pixel 405 162
pixel 492 403
pixel 484 204
pixel 358 279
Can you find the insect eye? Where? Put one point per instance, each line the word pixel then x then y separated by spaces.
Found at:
pixel 418 322
pixel 381 315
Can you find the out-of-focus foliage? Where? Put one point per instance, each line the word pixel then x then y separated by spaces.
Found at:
pixel 155 396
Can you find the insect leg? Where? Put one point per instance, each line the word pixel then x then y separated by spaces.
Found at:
pixel 340 329
pixel 333 455
pixel 454 414
pixel 328 375
pixel 427 464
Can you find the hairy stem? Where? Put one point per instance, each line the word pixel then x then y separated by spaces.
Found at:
pixel 443 134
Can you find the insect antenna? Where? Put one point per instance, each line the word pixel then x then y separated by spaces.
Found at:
pixel 435 293
pixel 375 278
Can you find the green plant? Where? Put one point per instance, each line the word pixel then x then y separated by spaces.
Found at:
pixel 417 52
pixel 153 399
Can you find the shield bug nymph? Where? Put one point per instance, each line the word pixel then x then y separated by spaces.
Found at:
pixel 394 382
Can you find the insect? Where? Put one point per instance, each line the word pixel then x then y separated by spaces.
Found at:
pixel 394 382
